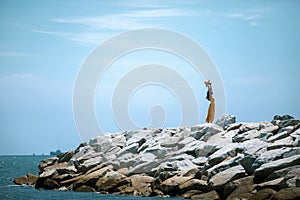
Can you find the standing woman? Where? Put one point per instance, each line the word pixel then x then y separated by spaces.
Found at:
pixel 211 109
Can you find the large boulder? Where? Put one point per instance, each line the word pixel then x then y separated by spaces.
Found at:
pixel 193 184
pixel 212 195
pixel 141 185
pixel 239 189
pixel 288 194
pixel 219 180
pixel 45 163
pixel 29 179
pixel 225 120
pixel 223 153
pixel 65 157
pixel 111 181
pixel 266 169
pixel 132 148
pixel 171 185
pixel 263 194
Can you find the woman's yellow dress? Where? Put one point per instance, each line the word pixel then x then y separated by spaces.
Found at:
pixel 211 111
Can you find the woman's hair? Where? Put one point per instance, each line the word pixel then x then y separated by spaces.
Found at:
pixel 207 95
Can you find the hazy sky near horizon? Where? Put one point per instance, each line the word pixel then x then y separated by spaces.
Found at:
pixel 255 46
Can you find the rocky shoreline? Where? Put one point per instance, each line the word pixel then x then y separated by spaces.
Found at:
pixel 226 160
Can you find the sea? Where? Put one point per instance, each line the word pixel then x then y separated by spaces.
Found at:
pixel 15 166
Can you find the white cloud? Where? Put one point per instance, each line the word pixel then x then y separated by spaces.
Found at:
pixel 251 15
pixel 124 21
pixel 99 28
pixel 93 37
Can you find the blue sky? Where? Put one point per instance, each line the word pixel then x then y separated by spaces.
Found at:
pixel 254 44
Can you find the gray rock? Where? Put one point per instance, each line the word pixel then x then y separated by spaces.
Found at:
pixel 139 137
pixel 182 156
pixel 145 157
pixel 285 142
pixel 248 135
pixel 225 120
pixel 67 170
pixel 234 126
pixel 219 180
pixel 223 153
pixel 185 165
pixel 206 149
pixel 52 169
pixel 132 148
pixel 112 151
pixel 126 160
pixel 185 141
pixel 252 147
pixel 119 139
pixel 247 163
pixel 177 165
pixel 89 178
pixel 285 123
pixel 198 127
pixel 84 153
pixel 191 147
pixel 159 152
pixel 210 130
pixel 171 142
pixel 268 129
pixel 293 182
pixel 220 140
pixel 269 156
pixel 48 173
pixel 145 167
pixel 101 143
pixel 292 178
pixel 282 133
pixel 249 126
pixel 282 172
pixel 65 157
pixel 45 163
pixel 153 141
pixel 231 133
pixel 225 164
pixel 90 163
pixel 283 117
pixel 266 169
pixel 200 161
pixel 296 133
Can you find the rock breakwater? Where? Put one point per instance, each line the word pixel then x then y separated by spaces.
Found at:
pixel 226 160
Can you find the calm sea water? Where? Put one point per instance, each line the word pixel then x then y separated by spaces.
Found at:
pixel 14 166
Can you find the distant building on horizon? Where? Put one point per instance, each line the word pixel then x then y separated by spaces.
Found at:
pixel 54 153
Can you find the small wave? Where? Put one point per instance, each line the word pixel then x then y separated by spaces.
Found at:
pixel 7 186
